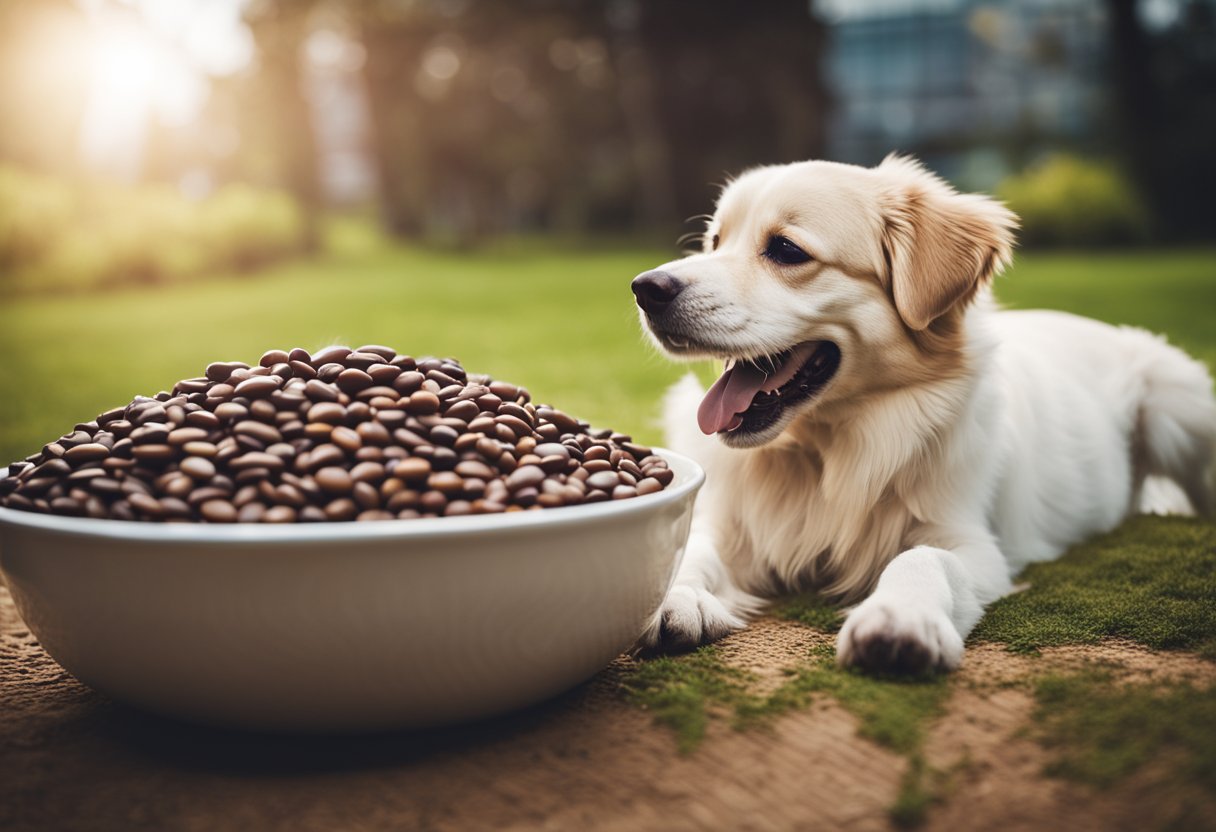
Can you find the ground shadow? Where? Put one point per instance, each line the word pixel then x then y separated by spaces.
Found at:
pixel 164 741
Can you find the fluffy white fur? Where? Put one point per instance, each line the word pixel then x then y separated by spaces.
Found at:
pixel 955 444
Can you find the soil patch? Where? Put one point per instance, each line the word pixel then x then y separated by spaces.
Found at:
pixel 589 760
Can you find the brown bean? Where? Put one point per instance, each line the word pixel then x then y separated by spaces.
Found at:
pixel 446 482
pixel 346 439
pixel 325 455
pixel 279 514
pixel 218 511
pixel 198 467
pixel 372 472
pixel 663 475
pixel 526 476
pixel 366 496
pixel 146 504
pixel 204 419
pixel 605 480
pixel 258 386
pixel 181 436
pixel 517 426
pixel 341 509
pixel 329 354
pixel 87 452
pixel 374 514
pixel 412 469
pixel 352 380
pixel 154 433
pixel 152 453
pixel 373 433
pixel 423 402
pixel 329 412
pixel 256 459
pixel 251 513
pixel 267 434
pixel 272 357
pixel 649 485
pixel 334 480
pixel 560 420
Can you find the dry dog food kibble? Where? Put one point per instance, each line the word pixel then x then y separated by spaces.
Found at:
pixel 342 435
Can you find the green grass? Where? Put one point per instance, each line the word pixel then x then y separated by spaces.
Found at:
pixel 1152 581
pixel 557 318
pixel 1101 730
pixel 1172 292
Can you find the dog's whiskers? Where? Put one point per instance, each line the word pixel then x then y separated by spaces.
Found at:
pixel 691 237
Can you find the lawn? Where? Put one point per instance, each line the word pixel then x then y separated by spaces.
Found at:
pixel 558 319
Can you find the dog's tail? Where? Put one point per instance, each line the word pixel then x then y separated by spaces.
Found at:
pixel 1176 439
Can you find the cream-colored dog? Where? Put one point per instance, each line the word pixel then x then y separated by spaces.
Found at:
pixel 881 432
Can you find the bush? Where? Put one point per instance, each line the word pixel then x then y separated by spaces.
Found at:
pixel 57 236
pixel 34 214
pixel 1068 201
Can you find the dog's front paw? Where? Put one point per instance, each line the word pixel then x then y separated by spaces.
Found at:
pixel 689 617
pixel 886 637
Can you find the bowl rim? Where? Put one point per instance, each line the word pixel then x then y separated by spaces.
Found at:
pixel 689 477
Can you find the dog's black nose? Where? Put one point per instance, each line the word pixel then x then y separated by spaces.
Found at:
pixel 655 290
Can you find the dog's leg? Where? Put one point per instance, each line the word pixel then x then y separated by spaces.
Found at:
pixel 704 604
pixel 926 602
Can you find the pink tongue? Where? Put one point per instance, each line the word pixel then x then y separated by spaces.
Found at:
pixel 731 394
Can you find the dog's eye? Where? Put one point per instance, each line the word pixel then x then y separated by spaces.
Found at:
pixel 714 243
pixel 781 250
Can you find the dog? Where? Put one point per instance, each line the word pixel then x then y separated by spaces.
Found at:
pixel 882 432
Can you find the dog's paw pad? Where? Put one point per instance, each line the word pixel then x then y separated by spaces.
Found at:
pixel 688 618
pixel 882 637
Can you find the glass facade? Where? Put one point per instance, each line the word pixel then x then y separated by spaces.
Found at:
pixel 971 87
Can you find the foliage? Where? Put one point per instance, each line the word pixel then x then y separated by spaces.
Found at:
pixel 1065 200
pixel 1152 581
pixel 56 236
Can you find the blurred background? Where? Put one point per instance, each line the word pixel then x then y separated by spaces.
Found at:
pixel 184 181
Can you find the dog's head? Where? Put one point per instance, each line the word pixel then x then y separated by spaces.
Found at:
pixel 819 282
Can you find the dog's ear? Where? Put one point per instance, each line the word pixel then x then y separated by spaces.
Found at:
pixel 940 246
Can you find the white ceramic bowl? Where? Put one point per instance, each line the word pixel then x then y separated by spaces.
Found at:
pixel 347 626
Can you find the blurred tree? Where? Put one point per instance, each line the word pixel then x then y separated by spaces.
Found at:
pixel 736 83
pixel 279 28
pixel 1164 87
pixel 492 115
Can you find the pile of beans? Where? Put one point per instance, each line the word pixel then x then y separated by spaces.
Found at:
pixel 341 435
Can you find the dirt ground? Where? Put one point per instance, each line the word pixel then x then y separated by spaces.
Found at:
pixel 72 760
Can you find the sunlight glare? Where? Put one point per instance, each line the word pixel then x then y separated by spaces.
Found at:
pixel 132 77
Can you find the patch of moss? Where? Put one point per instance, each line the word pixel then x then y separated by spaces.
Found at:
pixel 893 710
pixel 915 794
pixel 1101 731
pixel 810 610
pixel 1152 581
pixel 681 690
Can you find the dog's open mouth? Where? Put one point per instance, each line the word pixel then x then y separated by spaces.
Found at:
pixel 752 395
